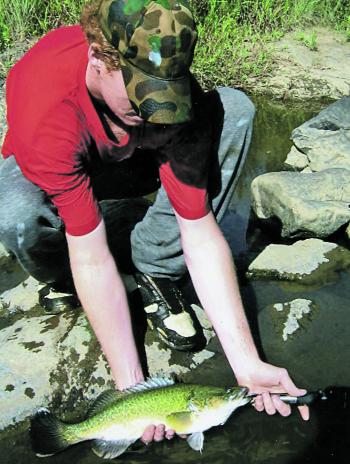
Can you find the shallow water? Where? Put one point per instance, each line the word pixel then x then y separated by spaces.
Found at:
pixel 316 359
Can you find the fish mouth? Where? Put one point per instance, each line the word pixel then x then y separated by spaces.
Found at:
pixel 241 394
pixel 244 396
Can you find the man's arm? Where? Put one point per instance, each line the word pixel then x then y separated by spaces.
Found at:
pixel 211 267
pixel 103 297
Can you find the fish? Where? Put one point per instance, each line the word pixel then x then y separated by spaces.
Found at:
pixel 117 419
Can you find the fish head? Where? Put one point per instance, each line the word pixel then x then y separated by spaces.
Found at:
pixel 212 398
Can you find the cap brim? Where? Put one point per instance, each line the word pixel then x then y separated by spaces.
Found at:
pixel 157 100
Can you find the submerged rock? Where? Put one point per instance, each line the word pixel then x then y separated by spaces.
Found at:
pixel 323 142
pixel 306 204
pixel 291 317
pixel 308 261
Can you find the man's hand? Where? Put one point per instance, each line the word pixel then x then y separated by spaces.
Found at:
pixel 153 433
pixel 268 379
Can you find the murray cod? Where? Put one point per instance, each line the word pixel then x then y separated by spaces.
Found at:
pixel 118 419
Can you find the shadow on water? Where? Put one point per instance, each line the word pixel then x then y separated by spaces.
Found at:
pixel 319 359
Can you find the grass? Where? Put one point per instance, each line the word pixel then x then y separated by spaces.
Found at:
pixel 308 39
pixel 234 35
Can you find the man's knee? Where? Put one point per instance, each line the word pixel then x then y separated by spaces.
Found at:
pixel 237 102
pixel 22 208
pixel 18 230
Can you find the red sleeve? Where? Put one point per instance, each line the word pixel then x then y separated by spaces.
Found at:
pixel 188 201
pixel 52 159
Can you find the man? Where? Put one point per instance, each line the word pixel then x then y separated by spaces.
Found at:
pixel 94 120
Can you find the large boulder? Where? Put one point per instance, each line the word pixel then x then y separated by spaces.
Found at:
pixel 306 204
pixel 323 142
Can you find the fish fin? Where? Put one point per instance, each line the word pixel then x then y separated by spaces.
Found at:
pixel 192 407
pixel 152 383
pixel 196 441
pixel 110 449
pixel 179 421
pixel 103 401
pixel 46 433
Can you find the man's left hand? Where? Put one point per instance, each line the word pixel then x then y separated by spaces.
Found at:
pixel 265 380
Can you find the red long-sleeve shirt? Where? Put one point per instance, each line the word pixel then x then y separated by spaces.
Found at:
pixel 53 123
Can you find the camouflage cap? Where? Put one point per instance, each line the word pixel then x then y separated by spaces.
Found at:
pixel 155 40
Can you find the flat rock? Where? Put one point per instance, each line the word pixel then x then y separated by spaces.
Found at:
pixel 305 204
pixel 44 360
pixel 307 261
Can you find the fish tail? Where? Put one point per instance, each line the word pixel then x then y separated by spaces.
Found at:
pixel 47 434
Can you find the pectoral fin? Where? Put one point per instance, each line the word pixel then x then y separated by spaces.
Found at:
pixel 196 441
pixel 179 421
pixel 110 449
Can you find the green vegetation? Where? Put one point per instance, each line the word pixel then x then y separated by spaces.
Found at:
pixel 234 35
pixel 309 40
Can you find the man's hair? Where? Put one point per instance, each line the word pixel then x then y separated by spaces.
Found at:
pixel 90 24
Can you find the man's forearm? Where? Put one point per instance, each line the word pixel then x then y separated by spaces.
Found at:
pixel 211 267
pixel 103 297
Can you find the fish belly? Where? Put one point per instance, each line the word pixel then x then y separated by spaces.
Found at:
pixel 132 430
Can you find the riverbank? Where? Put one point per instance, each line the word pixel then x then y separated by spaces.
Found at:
pixel 312 65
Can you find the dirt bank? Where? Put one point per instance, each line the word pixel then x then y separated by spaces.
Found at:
pixel 308 64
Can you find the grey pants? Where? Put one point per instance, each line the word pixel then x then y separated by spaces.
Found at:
pixel 32 230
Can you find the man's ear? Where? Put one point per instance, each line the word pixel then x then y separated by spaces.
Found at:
pixel 93 57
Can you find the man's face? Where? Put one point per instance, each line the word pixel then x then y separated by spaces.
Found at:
pixel 114 95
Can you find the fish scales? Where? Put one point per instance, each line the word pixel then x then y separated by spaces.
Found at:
pixel 156 404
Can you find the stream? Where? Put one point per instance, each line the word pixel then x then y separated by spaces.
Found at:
pixel 316 358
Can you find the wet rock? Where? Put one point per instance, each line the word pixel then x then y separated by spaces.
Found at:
pixel 305 204
pixel 21 298
pixel 49 360
pixel 291 317
pixel 308 261
pixel 323 142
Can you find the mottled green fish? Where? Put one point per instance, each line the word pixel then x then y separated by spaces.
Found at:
pixel 118 419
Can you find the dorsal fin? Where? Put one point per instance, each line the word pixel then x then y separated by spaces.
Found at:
pixel 104 400
pixel 151 383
